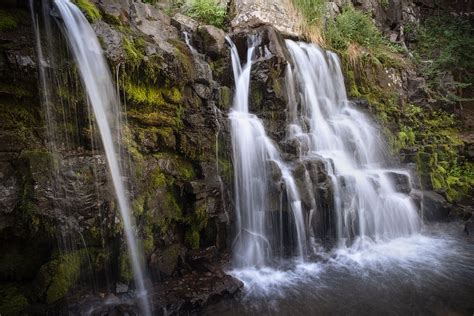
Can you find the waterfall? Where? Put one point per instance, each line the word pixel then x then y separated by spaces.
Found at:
pixel 367 205
pixel 99 87
pixel 280 211
pixel 260 227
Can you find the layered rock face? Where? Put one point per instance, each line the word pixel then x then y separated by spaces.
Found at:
pixel 56 193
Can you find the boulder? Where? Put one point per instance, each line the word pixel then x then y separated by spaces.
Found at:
pixel 152 22
pixel 116 10
pixel 211 41
pixel 435 207
pixel 254 13
pixel 184 23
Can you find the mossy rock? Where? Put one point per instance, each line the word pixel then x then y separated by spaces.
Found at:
pixel 169 258
pixel 89 9
pixel 12 300
pixel 197 221
pixel 125 268
pixel 57 277
pixel 9 20
pixel 225 98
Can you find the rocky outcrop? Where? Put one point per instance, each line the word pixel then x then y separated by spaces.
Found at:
pixel 250 14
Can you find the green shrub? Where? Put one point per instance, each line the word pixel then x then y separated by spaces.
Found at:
pixel 207 11
pixel 353 26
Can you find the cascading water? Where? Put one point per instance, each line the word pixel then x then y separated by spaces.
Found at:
pixel 98 84
pixel 259 226
pixel 367 205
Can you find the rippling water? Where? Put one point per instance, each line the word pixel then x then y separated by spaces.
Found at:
pixel 428 273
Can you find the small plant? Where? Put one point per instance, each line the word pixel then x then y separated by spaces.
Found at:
pixel 207 11
pixel 313 12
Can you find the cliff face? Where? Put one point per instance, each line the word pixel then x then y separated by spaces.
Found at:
pixel 176 148
pixel 59 225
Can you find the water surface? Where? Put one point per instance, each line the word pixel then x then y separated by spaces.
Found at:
pixel 431 273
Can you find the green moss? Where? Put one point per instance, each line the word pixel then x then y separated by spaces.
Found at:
pixel 8 21
pixel 57 277
pixel 256 97
pixel 156 118
pixel 89 9
pixel 186 60
pixel 153 97
pixel 158 179
pixel 134 50
pixel 17 118
pixel 225 98
pixel 12 300
pixel 125 270
pixel 197 221
pixel 146 95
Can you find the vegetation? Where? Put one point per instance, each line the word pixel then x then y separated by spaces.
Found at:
pixel 443 45
pixel 433 136
pixel 207 11
pixel 89 9
pixel 313 12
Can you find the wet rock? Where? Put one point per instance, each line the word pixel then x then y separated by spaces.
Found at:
pixel 224 98
pixel 165 262
pixel 121 288
pixel 417 197
pixel 401 181
pixel 193 291
pixel 469 228
pixel 435 206
pixel 211 41
pixel 112 41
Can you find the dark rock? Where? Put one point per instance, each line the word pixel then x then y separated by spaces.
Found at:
pixel 9 188
pixel 417 197
pixel 165 262
pixel 435 207
pixel 400 180
pixel 469 228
